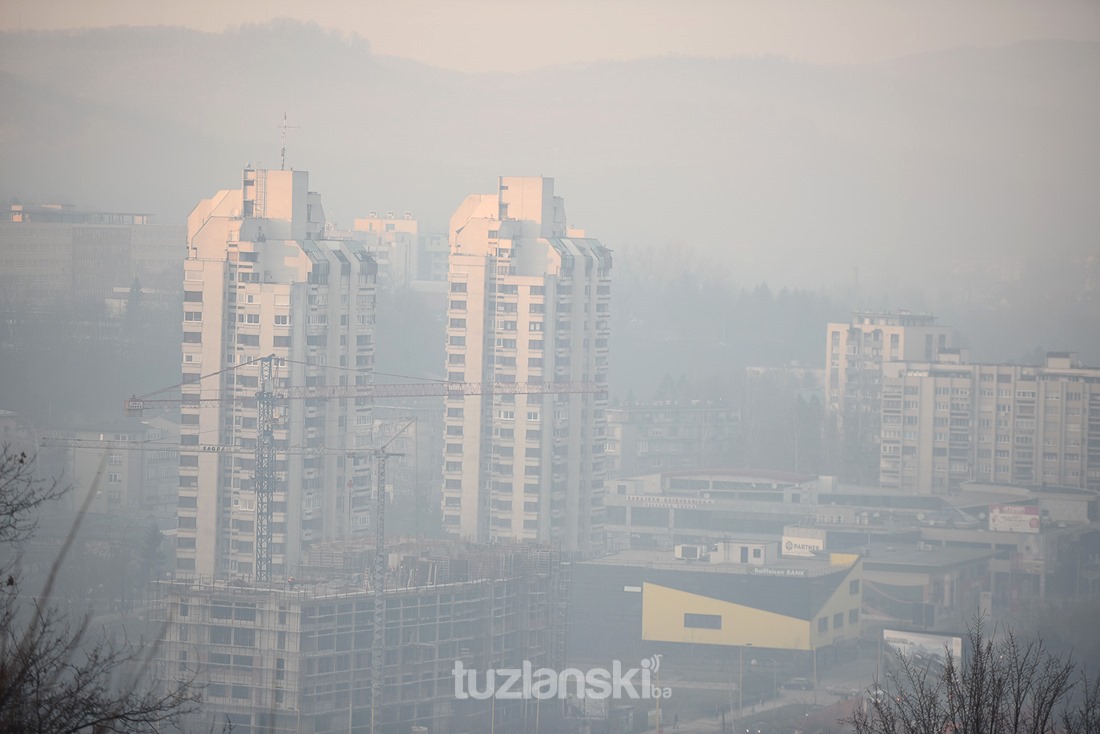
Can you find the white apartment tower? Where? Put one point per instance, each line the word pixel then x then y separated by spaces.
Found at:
pixel 261 279
pixel 529 301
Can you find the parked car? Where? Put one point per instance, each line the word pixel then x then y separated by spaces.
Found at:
pixel 799 684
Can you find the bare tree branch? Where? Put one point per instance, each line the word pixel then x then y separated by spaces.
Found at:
pixel 1002 687
pixel 58 678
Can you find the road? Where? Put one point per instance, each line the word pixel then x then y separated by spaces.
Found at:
pixel 850 678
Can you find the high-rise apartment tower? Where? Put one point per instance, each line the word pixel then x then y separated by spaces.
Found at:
pixel 529 301
pixel 261 279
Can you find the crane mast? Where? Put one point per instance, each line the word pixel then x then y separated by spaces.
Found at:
pixel 264 481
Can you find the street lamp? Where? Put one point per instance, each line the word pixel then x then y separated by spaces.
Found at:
pixel 775 672
pixel 741 678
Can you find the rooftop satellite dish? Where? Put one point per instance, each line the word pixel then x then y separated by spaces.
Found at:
pixel 920 516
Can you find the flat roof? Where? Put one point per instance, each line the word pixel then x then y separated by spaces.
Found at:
pixel 881 555
pixel 665 560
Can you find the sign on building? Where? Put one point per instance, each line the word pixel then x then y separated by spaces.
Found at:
pixel 1014 518
pixel 794 545
pixel 922 646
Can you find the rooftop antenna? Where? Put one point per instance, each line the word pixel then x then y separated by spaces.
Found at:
pixel 284 126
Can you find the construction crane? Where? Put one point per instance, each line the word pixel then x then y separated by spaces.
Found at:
pixel 268 395
pixel 378 575
pixel 135 406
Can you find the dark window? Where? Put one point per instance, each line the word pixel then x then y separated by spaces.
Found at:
pixel 192 296
pixel 703 621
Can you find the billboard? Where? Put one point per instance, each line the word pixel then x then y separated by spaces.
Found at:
pixel 794 545
pixel 922 646
pixel 1014 518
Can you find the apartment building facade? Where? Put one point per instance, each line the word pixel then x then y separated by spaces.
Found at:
pixel 947 422
pixel 669 435
pixel 529 302
pixel 58 256
pixel 260 279
pixel 855 355
pixel 408 257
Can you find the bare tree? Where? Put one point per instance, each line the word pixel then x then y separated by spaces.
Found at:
pixel 56 676
pixel 1004 686
pixel 21 493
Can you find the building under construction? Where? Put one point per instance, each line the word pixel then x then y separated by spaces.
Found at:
pixel 296 656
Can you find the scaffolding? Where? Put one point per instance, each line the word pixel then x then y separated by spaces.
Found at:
pixel 297 656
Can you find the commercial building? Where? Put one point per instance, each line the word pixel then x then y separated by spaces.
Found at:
pixel 854 359
pixel 925 585
pixel 948 422
pixel 634 604
pixel 529 302
pixel 261 279
pixel 297 657
pixel 56 256
pixel 669 435
pixel 659 511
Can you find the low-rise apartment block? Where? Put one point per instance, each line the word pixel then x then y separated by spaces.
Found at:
pixel 949 422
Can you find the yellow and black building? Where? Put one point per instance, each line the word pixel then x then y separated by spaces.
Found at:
pixel 635 604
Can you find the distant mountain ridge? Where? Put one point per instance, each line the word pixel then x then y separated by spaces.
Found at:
pixel 786 171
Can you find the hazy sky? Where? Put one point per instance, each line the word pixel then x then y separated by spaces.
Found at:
pixel 503 35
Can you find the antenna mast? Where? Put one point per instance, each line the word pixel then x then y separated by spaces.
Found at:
pixel 282 139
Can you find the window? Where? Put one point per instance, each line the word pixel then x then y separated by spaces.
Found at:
pixel 853 586
pixel 838 620
pixel 703 621
pixel 853 616
pixel 823 624
pixel 192 296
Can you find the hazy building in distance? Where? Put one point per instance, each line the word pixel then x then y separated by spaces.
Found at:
pixel 408 258
pixel 669 435
pixel 948 422
pixel 261 279
pixel 141 474
pixel 529 301
pixel 855 354
pixel 60 256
